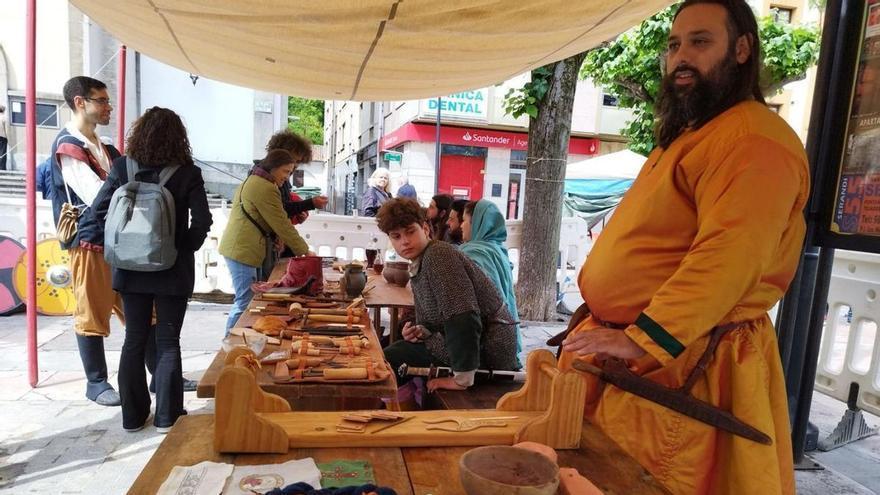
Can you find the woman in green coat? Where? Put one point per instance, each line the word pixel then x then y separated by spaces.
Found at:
pixel 256 213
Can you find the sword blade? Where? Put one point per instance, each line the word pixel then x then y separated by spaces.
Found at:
pixel 678 401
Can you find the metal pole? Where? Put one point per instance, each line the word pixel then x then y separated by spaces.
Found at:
pixel 31 189
pixel 120 101
pixel 437 149
pixel 381 128
pixel 331 174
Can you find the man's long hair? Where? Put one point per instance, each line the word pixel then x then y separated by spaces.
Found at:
pixel 745 83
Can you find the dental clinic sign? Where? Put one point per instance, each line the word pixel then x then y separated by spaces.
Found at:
pixel 467 105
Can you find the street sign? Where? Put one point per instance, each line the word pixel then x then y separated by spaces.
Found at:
pixel 393 156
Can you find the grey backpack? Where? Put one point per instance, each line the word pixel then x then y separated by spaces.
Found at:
pixel 139 231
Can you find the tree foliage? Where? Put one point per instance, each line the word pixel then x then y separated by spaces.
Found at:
pixel 630 68
pixel 307 118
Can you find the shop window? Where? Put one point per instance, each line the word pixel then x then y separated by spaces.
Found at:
pixel 452 149
pixel 775 107
pixel 47 113
pixel 609 100
pixel 518 159
pixel 782 15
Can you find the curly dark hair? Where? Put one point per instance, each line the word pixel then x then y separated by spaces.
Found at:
pixel 276 158
pixel 398 213
pixel 158 139
pixel 299 147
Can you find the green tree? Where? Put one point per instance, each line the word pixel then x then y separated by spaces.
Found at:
pixel 306 118
pixel 630 67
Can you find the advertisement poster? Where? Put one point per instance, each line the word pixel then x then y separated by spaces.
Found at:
pixel 857 205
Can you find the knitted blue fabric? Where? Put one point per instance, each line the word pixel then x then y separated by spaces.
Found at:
pixel 303 488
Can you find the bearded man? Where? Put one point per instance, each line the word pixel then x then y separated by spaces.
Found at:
pixel 708 237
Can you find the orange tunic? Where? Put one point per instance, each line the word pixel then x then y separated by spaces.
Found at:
pixel 710 233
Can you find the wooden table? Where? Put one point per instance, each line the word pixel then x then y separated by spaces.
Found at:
pixel 382 295
pixel 409 471
pixel 307 396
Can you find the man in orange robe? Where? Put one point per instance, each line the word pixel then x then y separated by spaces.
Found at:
pixel 710 233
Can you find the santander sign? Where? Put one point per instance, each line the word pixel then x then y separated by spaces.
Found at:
pixel 483 138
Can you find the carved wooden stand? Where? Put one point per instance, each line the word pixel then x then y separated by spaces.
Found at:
pixel 548 409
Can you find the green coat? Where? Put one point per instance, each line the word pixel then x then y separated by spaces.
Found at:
pixel 242 241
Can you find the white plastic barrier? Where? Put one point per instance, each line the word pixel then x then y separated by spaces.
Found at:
pixel 13 218
pixel 346 237
pixel 850 349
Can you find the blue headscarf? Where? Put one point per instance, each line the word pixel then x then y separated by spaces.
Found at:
pixel 486 249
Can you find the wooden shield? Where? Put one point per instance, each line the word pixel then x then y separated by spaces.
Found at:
pixel 10 251
pixel 54 280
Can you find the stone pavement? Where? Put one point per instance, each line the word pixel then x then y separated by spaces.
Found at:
pixel 53 440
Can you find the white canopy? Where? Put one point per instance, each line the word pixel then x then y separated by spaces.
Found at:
pixel 618 165
pixel 364 49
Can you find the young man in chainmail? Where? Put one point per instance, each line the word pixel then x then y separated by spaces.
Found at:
pixel 460 319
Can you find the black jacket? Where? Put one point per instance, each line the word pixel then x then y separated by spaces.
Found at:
pixel 188 189
pixel 374 198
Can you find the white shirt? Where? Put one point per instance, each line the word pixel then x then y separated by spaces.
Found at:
pixel 78 175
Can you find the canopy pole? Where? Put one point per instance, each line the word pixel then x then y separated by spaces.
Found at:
pixel 31 190
pixel 120 101
pixel 437 150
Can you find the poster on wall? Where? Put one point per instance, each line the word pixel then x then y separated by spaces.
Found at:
pixel 857 203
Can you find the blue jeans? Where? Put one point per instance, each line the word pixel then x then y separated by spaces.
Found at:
pixel 242 278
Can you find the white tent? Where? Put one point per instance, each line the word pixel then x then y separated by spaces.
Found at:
pixel 624 164
pixel 364 49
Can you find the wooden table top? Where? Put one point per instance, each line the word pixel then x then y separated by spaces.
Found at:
pixel 409 471
pixel 382 294
pixel 293 391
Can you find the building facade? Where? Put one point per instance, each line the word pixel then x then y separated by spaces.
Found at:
pixel 482 150
pixel 228 125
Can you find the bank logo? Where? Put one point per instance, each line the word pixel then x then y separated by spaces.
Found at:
pixel 467 136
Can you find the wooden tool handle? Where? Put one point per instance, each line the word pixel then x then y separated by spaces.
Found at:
pixel 345 374
pixel 310 362
pixel 334 318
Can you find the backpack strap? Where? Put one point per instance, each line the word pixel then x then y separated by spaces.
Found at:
pixel 166 174
pixel 131 168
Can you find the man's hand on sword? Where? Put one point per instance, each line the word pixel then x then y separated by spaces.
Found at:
pixel 603 341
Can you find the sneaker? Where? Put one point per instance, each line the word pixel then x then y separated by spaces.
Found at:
pixel 190 385
pixel 109 398
pixel 164 429
pixel 138 428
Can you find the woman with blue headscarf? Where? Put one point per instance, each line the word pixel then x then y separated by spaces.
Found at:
pixel 484 233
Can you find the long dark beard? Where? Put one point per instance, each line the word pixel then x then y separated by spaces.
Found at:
pixel 681 108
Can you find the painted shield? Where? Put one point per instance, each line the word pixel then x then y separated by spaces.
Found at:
pixel 10 251
pixel 54 280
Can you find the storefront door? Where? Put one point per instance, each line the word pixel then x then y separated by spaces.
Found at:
pixel 461 176
pixel 515 193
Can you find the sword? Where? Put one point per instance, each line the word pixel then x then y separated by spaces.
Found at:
pixel 440 372
pixel 679 400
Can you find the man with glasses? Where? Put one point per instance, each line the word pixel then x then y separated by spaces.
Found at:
pixel 80 163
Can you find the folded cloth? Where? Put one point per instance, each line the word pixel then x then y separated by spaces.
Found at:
pixel 306 489
pixel 247 480
pixel 206 478
pixel 345 472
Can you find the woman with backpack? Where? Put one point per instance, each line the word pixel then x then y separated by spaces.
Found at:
pixel 256 214
pixel 159 153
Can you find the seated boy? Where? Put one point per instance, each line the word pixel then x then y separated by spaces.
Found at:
pixel 461 320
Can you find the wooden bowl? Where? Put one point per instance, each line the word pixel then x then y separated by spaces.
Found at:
pixel 505 470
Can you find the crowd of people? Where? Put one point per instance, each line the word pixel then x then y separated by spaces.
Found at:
pixel 704 243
